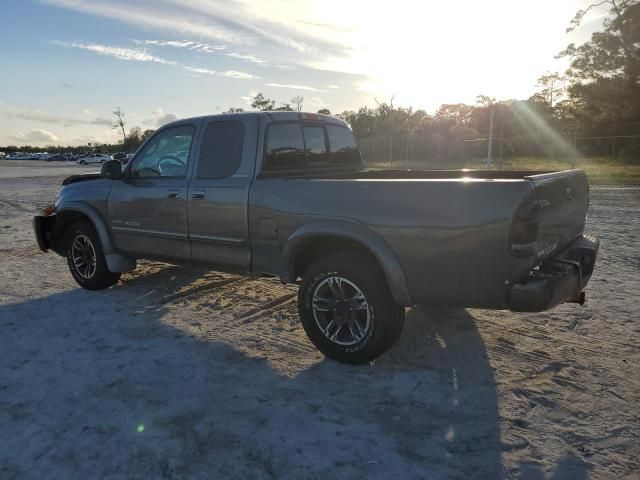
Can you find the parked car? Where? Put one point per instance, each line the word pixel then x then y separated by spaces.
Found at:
pixel 56 158
pixel 93 158
pixel 285 194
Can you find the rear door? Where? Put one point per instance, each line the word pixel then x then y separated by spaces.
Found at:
pixel 219 191
pixel 563 201
pixel 148 209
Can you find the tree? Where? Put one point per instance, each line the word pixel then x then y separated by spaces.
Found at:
pixel 551 87
pixel 119 122
pixel 297 103
pixel 133 140
pixel 458 113
pixel 613 52
pixel 146 134
pixel 262 104
pixel 605 71
pixel 485 100
pixel 284 107
pixel 324 111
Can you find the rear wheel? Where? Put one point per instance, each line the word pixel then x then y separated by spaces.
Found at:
pixel 86 260
pixel 347 309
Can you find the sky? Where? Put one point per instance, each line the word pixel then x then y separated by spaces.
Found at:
pixel 66 64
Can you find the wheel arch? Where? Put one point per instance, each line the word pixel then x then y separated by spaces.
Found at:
pixel 70 212
pixel 312 240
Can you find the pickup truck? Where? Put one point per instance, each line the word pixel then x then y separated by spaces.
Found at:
pixel 286 194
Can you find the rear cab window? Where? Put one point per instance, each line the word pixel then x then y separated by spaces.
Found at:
pixel 343 145
pixel 299 147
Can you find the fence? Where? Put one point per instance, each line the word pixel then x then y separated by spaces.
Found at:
pixel 436 151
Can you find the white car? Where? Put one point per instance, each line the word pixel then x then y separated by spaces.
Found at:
pixel 94 158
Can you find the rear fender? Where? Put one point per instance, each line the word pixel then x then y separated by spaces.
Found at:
pixel 353 232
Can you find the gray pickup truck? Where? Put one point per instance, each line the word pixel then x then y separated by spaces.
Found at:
pixel 285 194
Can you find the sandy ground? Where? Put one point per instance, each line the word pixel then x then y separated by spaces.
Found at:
pixel 179 374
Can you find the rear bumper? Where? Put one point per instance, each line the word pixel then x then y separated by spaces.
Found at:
pixel 42 229
pixel 559 279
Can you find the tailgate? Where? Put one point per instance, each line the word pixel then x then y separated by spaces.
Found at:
pixel 563 201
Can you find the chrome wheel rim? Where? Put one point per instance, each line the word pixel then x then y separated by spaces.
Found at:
pixel 341 311
pixel 83 256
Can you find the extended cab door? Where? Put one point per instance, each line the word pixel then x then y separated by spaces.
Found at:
pixel 219 191
pixel 148 208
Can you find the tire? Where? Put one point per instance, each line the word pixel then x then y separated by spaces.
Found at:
pixel 83 162
pixel 85 258
pixel 344 288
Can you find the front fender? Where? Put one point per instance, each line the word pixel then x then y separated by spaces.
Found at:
pixel 354 232
pixel 116 262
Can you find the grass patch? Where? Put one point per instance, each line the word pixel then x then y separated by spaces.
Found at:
pixel 599 170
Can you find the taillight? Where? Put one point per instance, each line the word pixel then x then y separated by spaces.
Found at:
pixel 523 235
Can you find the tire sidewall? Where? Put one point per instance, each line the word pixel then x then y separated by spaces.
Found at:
pixel 102 278
pixel 374 289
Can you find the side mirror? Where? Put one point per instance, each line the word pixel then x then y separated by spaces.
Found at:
pixel 111 170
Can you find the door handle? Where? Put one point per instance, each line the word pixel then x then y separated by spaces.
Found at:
pixel 198 195
pixel 173 193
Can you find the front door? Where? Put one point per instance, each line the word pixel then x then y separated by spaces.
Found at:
pixel 218 193
pixel 148 209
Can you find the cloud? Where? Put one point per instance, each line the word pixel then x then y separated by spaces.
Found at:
pixel 160 118
pixel 36 136
pixel 236 22
pixel 227 73
pixel 333 87
pixel 39 116
pixel 35 115
pixel 247 58
pixel 188 44
pixel 295 87
pixel 121 53
pixel 314 104
pixel 66 85
pixel 103 121
pixel 166 15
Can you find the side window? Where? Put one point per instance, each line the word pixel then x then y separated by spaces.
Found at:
pixel 285 146
pixel 315 144
pixel 221 150
pixel 343 145
pixel 166 155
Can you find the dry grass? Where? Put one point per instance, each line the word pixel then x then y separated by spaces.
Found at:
pixel 599 170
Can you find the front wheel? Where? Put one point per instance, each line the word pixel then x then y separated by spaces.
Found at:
pixel 347 310
pixel 86 260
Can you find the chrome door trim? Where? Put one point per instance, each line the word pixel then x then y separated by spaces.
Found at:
pixel 238 242
pixel 150 233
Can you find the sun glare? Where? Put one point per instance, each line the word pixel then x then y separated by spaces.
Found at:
pixel 428 53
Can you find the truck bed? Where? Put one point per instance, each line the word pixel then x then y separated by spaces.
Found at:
pixel 450 229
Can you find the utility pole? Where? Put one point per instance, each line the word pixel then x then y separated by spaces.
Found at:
pixel 490 147
pixel 501 142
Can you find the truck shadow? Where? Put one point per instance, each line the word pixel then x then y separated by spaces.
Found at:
pixel 107 385
pixel 432 399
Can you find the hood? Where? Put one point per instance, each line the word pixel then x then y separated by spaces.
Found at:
pixel 81 178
